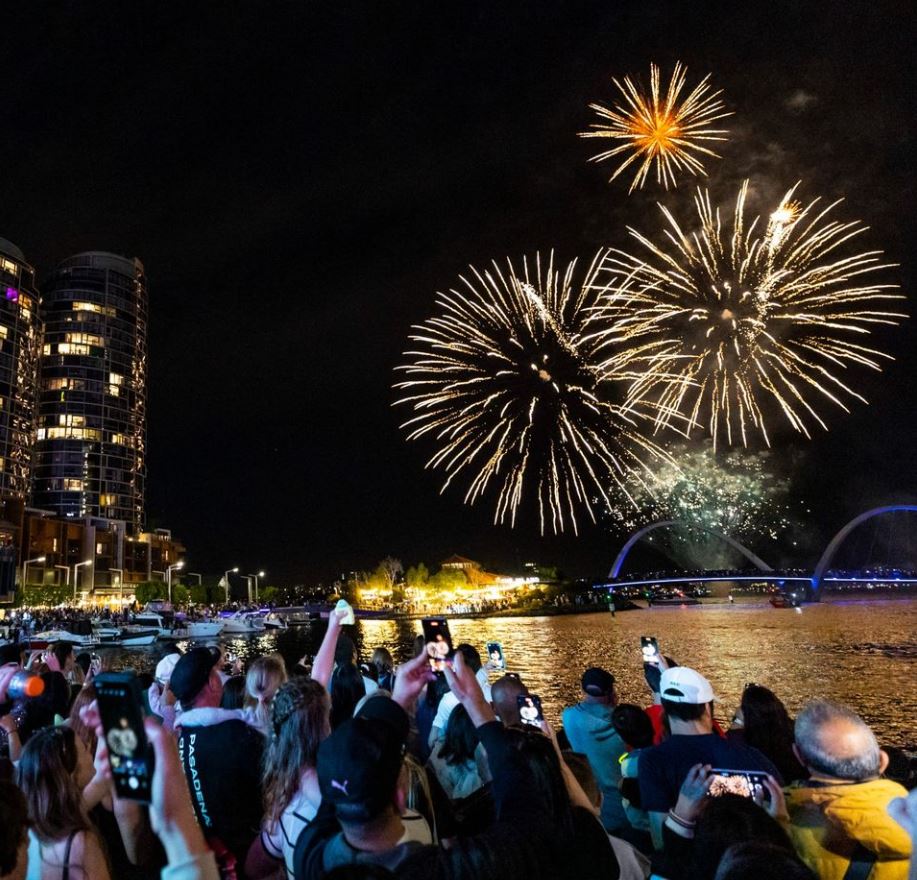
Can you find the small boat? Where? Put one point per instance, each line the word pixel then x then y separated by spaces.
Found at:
pixel 195 629
pixel 150 620
pixel 52 636
pixel 243 623
pixel 784 600
pixel 273 620
pixel 137 637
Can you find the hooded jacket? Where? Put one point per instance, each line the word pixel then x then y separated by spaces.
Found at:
pixel 828 821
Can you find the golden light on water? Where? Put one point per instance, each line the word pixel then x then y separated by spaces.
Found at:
pixel 661 131
pixel 504 381
pixel 723 326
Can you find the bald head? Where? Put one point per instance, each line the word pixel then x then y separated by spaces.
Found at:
pixel 834 741
pixel 503 696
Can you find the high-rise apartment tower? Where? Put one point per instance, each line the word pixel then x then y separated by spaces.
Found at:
pixel 20 340
pixel 90 454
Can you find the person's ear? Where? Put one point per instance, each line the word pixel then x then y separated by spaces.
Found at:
pixel 883 761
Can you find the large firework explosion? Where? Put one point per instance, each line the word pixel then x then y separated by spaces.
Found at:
pixel 504 380
pixel 721 323
pixel 662 130
pixel 734 493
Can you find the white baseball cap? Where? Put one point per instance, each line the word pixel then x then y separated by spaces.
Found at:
pixel 165 666
pixel 683 685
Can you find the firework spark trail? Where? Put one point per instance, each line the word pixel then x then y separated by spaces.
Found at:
pixel 717 322
pixel 504 380
pixel 660 131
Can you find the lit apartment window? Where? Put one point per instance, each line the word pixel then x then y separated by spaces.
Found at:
pixel 85 338
pixel 70 348
pixel 40 434
pixel 108 500
pixel 8 266
pixel 72 485
pixel 95 308
pixel 99 549
pixel 70 434
pixel 4 332
pixel 68 419
pixel 46 349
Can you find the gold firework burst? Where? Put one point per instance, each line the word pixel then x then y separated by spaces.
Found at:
pixel 717 323
pixel 504 381
pixel 660 130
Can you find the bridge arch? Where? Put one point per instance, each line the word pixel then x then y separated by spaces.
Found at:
pixel 841 536
pixel 636 536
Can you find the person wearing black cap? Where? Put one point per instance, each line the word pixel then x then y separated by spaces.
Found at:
pixel 590 731
pixel 539 832
pixel 221 757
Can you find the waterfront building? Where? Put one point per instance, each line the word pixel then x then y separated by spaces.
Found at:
pixel 90 445
pixel 20 340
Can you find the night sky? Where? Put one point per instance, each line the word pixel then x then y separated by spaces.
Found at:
pixel 300 178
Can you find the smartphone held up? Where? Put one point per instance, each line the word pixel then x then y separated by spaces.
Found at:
pixel 438 641
pixel 650 648
pixel 530 709
pixel 129 753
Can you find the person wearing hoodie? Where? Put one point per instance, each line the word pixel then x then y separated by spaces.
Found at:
pixel 221 756
pixel 839 819
pixel 590 731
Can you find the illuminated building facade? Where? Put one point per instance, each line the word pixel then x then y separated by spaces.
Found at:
pixel 90 450
pixel 20 340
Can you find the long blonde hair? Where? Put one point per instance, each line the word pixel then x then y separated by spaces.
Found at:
pixel 264 676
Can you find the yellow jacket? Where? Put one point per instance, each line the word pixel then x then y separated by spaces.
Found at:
pixel 827 821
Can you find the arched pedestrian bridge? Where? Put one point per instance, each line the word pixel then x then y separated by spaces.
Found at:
pixel 812 583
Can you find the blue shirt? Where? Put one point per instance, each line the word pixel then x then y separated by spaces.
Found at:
pixel 590 731
pixel 663 768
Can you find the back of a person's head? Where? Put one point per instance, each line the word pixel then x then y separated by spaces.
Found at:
pixel 382 659
pixel 543 769
pixel 753 861
pixel 46 777
pixel 503 694
pixel 835 741
pixel 727 820
pixel 14 824
pixel 347 687
pixel 62 651
pixel 633 725
pixel 299 722
pixel 264 676
pixel 460 739
pixel 84 660
pixel 233 692
pixel 581 768
pixel 764 716
pixel 345 651
pixel 471 655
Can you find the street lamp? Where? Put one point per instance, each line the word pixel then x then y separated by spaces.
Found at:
pixel 66 568
pixel 194 574
pixel 25 566
pixel 255 576
pixel 120 587
pixel 226 580
pixel 169 571
pixel 76 575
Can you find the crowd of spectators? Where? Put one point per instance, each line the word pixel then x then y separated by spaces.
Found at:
pixel 338 770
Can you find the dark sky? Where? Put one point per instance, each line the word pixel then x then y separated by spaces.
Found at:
pixel 300 178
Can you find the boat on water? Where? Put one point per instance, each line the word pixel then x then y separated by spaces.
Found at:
pixel 194 629
pixel 127 637
pixel 784 600
pixel 273 620
pixel 53 636
pixel 244 623
pixel 150 620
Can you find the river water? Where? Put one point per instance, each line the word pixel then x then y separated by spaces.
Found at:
pixel 863 653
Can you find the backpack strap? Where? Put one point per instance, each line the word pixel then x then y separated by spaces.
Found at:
pixel 861 863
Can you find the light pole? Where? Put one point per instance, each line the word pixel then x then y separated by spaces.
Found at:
pixel 229 571
pixel 194 574
pixel 255 576
pixel 169 571
pixel 120 587
pixel 66 568
pixel 25 566
pixel 76 576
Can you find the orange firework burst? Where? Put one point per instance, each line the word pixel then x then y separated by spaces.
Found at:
pixel 660 130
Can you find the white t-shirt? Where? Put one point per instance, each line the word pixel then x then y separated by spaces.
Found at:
pixel 450 701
